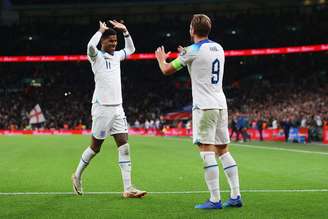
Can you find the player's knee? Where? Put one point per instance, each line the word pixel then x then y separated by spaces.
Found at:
pixel 221 149
pixel 96 144
pixel 96 148
pixel 121 139
pixel 121 142
pixel 206 147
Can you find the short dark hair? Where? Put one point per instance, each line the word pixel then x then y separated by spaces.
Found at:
pixel 107 33
pixel 201 24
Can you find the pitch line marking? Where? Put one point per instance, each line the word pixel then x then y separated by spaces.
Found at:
pixel 173 192
pixel 269 148
pixel 279 149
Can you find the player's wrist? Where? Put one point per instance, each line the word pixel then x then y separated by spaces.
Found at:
pixel 126 33
pixel 162 63
pixel 101 30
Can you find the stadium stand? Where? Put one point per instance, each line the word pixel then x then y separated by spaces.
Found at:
pixel 272 88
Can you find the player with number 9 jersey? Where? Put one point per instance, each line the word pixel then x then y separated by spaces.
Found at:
pixel 205 62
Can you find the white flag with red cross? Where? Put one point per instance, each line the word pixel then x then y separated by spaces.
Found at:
pixel 36 115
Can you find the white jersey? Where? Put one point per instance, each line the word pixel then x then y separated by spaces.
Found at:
pixel 205 62
pixel 107 71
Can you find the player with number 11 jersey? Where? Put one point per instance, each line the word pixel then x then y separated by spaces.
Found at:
pixel 108 117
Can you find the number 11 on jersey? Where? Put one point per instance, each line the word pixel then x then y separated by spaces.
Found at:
pixel 107 64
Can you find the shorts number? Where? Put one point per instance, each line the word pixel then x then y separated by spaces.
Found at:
pixel 215 71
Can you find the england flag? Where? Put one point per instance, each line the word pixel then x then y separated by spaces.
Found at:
pixel 36 116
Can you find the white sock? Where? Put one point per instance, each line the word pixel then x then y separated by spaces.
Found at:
pixel 211 174
pixel 231 172
pixel 87 155
pixel 125 165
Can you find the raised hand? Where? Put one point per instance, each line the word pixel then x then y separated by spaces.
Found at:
pixel 161 55
pixel 118 25
pixel 180 49
pixel 102 27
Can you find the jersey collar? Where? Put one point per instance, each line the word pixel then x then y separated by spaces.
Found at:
pixel 104 53
pixel 202 42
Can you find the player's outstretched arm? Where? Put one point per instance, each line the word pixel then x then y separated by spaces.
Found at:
pixel 92 45
pixel 161 56
pixel 129 46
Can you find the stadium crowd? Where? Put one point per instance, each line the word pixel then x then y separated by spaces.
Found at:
pixel 66 90
pixel 268 92
pixel 285 106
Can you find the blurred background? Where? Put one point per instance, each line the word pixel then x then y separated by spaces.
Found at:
pixel 277 91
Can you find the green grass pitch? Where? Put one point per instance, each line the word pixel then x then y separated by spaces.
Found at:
pixel 279 180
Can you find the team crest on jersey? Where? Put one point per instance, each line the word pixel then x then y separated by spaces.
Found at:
pixel 183 52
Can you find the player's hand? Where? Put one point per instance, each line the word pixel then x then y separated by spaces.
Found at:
pixel 118 25
pixel 102 27
pixel 180 49
pixel 161 55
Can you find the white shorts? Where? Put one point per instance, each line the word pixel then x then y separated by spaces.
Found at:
pixel 108 120
pixel 210 126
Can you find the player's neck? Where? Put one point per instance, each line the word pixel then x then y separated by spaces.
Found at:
pixel 103 50
pixel 198 39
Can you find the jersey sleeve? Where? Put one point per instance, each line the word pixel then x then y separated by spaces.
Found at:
pixel 128 48
pixel 121 54
pixel 92 50
pixel 187 55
